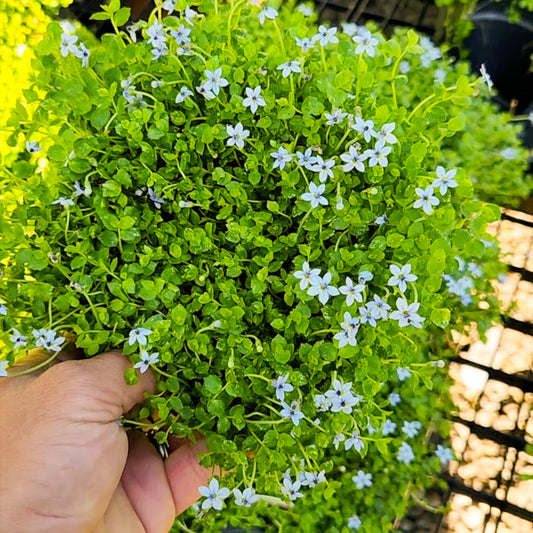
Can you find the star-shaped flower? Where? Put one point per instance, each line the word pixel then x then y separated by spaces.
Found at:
pixel 324 168
pixel 485 76
pixel 289 67
pixel 139 335
pixel 365 128
pixel 426 199
pixel 406 314
pixel 83 53
pixel 237 134
pixel 64 202
pixel 307 275
pixel 315 195
pixel 3 365
pixel 323 289
pixel 365 43
pixel 246 498
pixel 353 159
pixel 401 276
pixel 281 386
pixel 146 360
pixel 445 179
pixel 214 495
pixel 183 94
pixel 281 158
pixel 292 412
pixel 17 339
pixel 326 36
pixel 353 292
pixel 253 99
pixel 444 454
pixel 215 80
pixel 68 44
pixel 362 479
pixel 267 13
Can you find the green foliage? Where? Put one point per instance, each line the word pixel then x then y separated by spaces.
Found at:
pixel 146 208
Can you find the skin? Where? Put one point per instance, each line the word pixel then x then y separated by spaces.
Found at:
pixel 67 466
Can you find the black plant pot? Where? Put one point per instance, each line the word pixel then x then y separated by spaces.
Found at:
pixel 506 48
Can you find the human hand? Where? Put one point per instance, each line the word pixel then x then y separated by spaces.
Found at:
pixel 67 466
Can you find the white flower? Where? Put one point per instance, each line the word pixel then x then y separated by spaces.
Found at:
pixel 379 308
pixel 291 489
pixel 365 128
pixel 307 275
pixel 401 276
pixel 83 53
pixel 169 6
pixel 406 314
pixel 326 36
pixel 17 339
pixel 289 67
pixel 81 191
pixel 339 204
pixel 389 427
pixel 405 454
pixel 305 44
pixel 237 135
pixel 267 13
pixel 405 67
pixel 426 199
pixel 215 80
pixel 336 117
pixel 337 439
pixel 214 495
pixel 411 428
pixel 509 153
pixel 385 133
pixel 48 340
pixel 253 99
pixel 378 155
pixel 246 498
pixel 353 159
pixel 394 399
pixel 322 402
pixel 315 195
pixel 345 338
pixel 354 522
pixel 132 30
pixel 64 202
pixel 189 15
pixel 312 479
pixel 403 373
pixel 183 94
pixel 67 44
pixel 362 480
pixel 306 159
pixel 146 360
pixel 485 76
pixel 182 35
pixel 381 220
pixel 158 52
pixel 352 292
pixel 33 147
pixel 3 365
pixel 444 454
pixel 305 10
pixel 324 168
pixel 292 412
pixel 281 386
pixel 281 158
pixel 445 179
pixel 157 200
pixel 156 34
pixel 366 43
pixel 3 310
pixel 139 335
pixel 354 442
pixel 206 92
pixel 367 316
pixel 322 288
pixel 365 276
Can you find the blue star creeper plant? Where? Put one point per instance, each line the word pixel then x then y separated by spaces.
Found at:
pixel 230 195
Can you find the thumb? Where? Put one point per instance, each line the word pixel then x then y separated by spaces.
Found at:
pixel 98 384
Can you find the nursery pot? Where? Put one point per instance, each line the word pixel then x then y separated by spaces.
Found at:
pixel 506 48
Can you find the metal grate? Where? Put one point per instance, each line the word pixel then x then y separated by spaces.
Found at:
pixel 420 14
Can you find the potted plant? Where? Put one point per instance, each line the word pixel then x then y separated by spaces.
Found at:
pixel 259 210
